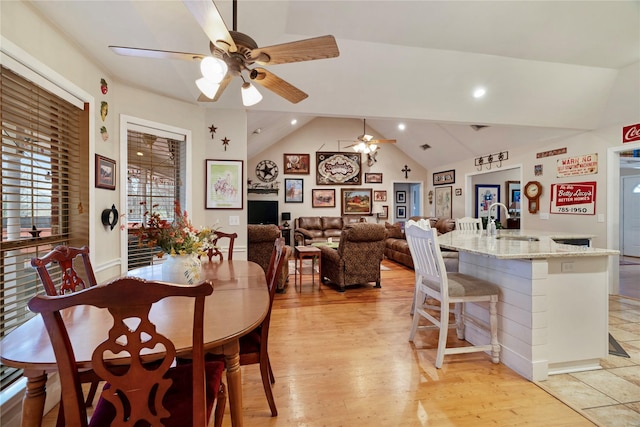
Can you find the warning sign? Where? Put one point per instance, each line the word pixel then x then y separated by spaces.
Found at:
pixel 576 198
pixel 586 164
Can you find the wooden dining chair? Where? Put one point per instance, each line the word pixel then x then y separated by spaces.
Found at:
pixel 254 345
pixel 215 251
pixel 59 276
pixel 432 280
pixel 149 391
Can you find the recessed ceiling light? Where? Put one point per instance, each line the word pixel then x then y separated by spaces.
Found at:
pixel 401 126
pixel 293 122
pixel 479 92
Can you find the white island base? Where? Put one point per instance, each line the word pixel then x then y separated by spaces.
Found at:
pixel 552 312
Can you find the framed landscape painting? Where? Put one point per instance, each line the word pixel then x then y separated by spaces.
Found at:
pixel 356 201
pixel 321 198
pixel 105 173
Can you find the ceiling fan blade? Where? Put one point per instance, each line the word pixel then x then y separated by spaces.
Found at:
pixel 156 54
pixel 298 51
pixel 275 84
pixel 209 18
pixel 223 85
pixel 382 141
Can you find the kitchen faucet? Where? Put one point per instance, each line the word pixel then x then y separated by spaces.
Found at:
pixel 491 229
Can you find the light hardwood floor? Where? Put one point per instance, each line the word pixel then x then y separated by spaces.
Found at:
pixel 343 359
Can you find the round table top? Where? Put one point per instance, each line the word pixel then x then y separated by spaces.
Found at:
pixel 238 304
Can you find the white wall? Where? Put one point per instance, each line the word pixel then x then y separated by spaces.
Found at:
pixel 323 134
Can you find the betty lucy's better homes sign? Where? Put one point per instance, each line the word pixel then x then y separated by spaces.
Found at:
pixel 587 164
pixel 577 198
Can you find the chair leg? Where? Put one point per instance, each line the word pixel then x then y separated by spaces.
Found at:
pixel 60 419
pixel 418 296
pixel 271 377
pixel 442 338
pixel 264 372
pixel 221 403
pixel 459 315
pixel 493 323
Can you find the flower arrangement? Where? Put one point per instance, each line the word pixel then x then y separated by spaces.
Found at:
pixel 179 237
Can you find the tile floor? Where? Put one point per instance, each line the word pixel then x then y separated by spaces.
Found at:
pixel 609 397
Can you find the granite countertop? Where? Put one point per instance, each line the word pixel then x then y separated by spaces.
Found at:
pixel 519 244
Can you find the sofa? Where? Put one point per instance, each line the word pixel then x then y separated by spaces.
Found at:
pixel 260 243
pixel 397 249
pixel 315 229
pixel 357 259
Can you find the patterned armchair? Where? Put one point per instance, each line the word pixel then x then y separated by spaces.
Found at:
pixel 357 259
pixel 261 239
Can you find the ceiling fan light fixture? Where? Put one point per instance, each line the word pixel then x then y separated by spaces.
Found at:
pixel 213 69
pixel 208 88
pixel 372 147
pixel 250 95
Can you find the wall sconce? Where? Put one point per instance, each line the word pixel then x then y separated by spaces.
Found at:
pixel 286 216
pixel 430 196
pixel 491 158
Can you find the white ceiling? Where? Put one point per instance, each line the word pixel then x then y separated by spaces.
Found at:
pixel 548 66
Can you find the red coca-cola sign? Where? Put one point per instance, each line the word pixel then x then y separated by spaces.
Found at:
pixel 631 133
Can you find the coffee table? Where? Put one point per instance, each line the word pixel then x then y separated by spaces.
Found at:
pixel 302 252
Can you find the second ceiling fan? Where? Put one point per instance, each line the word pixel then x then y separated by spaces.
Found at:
pixel 366 143
pixel 233 53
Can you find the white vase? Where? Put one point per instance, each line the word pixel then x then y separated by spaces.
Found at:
pixel 182 269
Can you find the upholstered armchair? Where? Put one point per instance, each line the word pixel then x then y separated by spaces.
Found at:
pixel 357 258
pixel 260 241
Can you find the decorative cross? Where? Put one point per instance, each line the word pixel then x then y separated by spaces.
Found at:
pixel 406 171
pixel 212 130
pixel 225 142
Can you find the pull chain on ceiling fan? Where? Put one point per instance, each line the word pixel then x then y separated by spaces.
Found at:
pixel 233 53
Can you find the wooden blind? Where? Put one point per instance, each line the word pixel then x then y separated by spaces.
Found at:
pixel 44 180
pixel 155 173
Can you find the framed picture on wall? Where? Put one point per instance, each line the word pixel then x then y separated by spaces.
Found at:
pixel 224 180
pixel 321 198
pixel 385 212
pixel 356 201
pixel 486 195
pixel 380 196
pixel 401 197
pixel 443 202
pixel 401 212
pixel 293 190
pixel 105 173
pixel 373 178
pixel 296 164
pixel 446 177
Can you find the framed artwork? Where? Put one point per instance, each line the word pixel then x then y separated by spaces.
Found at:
pixel 224 180
pixel 401 197
pixel 486 195
pixel 356 201
pixel 105 173
pixel 296 164
pixel 512 189
pixel 321 198
pixel 443 202
pixel 380 196
pixel 293 190
pixel 446 177
pixel 401 212
pixel 385 212
pixel 458 191
pixel 336 168
pixel 373 178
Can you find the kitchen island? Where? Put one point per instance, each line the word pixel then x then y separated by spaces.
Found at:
pixel 553 304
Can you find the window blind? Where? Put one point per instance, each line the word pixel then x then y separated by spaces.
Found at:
pixel 42 177
pixel 155 174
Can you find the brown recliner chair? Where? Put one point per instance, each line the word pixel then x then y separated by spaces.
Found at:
pixel 357 259
pixel 260 241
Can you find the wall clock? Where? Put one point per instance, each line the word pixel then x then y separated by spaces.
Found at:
pixel 267 171
pixel 533 190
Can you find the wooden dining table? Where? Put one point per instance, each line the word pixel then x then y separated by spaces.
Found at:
pixel 238 304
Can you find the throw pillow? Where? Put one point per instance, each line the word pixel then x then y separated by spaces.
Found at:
pixel 394 230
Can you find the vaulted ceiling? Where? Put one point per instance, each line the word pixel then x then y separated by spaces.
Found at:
pixel 548 66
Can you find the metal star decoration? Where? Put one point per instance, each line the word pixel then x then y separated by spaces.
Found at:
pixel 225 142
pixel 212 130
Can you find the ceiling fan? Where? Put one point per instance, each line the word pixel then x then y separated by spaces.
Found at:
pixel 366 143
pixel 233 53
